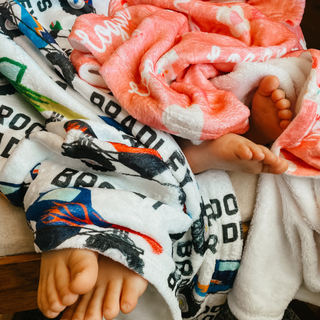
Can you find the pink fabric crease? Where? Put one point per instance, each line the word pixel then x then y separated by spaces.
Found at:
pixel 157 58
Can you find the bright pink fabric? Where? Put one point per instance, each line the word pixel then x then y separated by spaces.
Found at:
pixel 157 62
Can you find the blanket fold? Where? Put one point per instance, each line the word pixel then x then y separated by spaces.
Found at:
pixel 145 82
pixel 286 229
pixel 191 84
pixel 91 176
pixel 92 169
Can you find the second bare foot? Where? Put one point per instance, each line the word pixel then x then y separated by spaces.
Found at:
pixel 64 275
pixel 117 288
pixel 270 112
pixel 234 153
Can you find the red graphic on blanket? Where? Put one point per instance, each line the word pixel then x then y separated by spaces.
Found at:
pixel 62 214
pixel 124 148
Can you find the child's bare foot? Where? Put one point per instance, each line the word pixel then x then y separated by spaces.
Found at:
pixel 270 112
pixel 64 275
pixel 234 153
pixel 117 287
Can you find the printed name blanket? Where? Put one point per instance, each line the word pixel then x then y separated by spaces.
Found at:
pixel 190 68
pixel 91 176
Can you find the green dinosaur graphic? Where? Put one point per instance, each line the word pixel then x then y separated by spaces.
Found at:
pixel 55 25
pixel 14 72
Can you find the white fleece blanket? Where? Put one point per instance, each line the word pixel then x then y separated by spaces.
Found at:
pixel 281 256
pixel 91 176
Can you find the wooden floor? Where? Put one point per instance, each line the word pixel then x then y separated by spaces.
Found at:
pixel 6 316
pixel 19 282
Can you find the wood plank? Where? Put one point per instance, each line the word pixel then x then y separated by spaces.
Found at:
pixel 19 277
pixel 20 258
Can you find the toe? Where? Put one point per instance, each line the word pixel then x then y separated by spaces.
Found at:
pixel 46 308
pixel 268 85
pixel 257 153
pixel 48 299
pixel 129 299
pixel 270 157
pixel 283 104
pixel 83 267
pixel 284 124
pixel 273 164
pixel 79 312
pixel 69 311
pixel 62 282
pixel 244 152
pixel 54 301
pixel 131 291
pixel 277 95
pixel 94 310
pixel 112 299
pixel 285 114
pixel 277 167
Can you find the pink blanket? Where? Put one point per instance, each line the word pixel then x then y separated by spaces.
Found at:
pixel 157 62
pixel 160 59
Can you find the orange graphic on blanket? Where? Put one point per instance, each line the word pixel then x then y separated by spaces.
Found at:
pixel 204 288
pixel 124 148
pixel 61 214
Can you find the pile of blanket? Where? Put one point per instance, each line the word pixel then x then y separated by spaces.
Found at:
pixel 83 147
pixel 91 176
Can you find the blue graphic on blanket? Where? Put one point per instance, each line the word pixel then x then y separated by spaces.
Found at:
pixel 13 192
pixel 65 211
pixel 68 212
pixel 114 124
pixel 33 29
pixel 16 192
pixel 34 172
pixel 222 279
pixel 65 207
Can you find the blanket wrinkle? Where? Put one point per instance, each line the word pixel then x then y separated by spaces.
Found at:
pixel 90 176
pixel 228 33
pixel 190 245
pixel 248 41
pixel 185 91
pixel 290 223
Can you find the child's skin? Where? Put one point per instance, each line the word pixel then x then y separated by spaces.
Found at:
pixel 270 115
pixel 87 285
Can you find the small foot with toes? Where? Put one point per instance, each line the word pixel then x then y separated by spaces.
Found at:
pixel 117 288
pixel 270 112
pixel 64 275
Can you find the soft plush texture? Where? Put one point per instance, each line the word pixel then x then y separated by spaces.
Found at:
pixel 173 77
pixel 167 69
pixel 157 62
pixel 90 176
